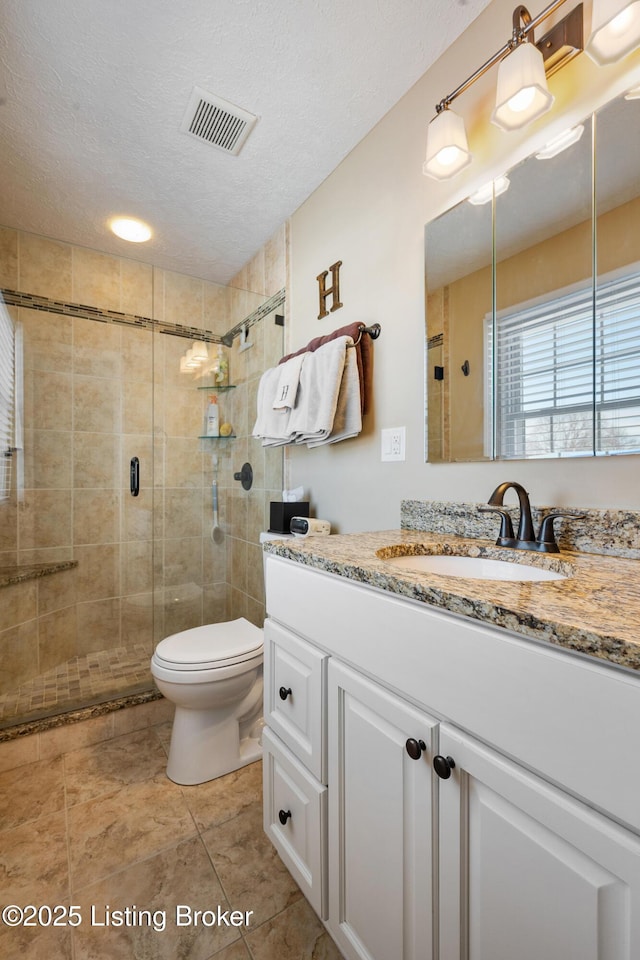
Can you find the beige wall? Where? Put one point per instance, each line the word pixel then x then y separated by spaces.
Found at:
pixel 370 213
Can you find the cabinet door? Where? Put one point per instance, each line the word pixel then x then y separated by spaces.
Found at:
pixel 526 871
pixel 380 822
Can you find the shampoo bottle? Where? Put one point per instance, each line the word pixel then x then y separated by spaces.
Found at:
pixel 213 417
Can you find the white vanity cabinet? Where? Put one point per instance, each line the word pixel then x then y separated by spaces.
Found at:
pixel 525 870
pixel 380 820
pixel 516 831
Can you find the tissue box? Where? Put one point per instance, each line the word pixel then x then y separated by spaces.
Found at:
pixel 280 514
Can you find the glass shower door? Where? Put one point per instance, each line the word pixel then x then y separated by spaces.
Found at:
pixel 86 633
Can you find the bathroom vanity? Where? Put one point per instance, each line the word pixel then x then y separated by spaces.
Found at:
pixel 449 767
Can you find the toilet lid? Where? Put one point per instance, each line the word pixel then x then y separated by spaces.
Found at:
pixel 212 645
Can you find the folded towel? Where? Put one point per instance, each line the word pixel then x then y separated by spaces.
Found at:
pixel 320 379
pixel 364 356
pixel 328 399
pixel 271 425
pixel 347 421
pixel 287 387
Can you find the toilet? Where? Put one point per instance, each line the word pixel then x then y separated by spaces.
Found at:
pixel 213 675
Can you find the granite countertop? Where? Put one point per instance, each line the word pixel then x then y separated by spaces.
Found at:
pixel 595 611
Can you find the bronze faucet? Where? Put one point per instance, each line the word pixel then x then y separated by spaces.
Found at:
pixel 525 539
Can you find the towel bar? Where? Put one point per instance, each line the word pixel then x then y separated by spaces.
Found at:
pixel 374 332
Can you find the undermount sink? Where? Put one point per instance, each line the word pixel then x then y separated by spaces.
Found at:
pixel 473 567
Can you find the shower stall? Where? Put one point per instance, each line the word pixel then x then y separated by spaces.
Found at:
pixel 106 515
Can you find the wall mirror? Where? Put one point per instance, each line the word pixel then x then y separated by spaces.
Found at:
pixel 533 305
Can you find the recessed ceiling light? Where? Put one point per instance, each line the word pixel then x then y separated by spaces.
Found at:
pixel 129 229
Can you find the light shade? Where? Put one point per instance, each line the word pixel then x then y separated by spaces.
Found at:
pixel 191 362
pixel 199 351
pixel 615 30
pixel 447 148
pixel 522 94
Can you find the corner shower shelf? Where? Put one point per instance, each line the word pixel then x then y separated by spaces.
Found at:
pixel 218 387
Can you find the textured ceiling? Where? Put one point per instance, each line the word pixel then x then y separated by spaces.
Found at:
pixel 93 92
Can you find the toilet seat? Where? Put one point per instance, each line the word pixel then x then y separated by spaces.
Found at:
pixel 211 646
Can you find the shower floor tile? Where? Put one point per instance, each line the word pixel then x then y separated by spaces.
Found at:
pixel 79 682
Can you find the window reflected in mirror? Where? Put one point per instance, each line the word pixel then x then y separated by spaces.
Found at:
pixel 542 355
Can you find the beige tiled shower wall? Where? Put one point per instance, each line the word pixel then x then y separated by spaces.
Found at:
pixel 247 512
pixel 97 394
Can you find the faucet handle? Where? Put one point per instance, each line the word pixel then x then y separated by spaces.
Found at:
pixel 506 525
pixel 546 536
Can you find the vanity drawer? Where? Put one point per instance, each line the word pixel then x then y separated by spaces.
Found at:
pixel 294 687
pixel 292 795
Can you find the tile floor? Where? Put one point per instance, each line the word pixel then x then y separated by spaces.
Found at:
pixel 103 827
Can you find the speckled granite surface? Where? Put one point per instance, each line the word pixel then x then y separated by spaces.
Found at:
pixel 615 533
pixel 31 571
pixel 595 611
pixel 75 716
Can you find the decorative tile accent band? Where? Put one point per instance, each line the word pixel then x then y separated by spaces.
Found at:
pixel 10 575
pixel 33 302
pixel 615 533
pixel 258 314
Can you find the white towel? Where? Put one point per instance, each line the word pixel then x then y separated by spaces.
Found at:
pixel 287 387
pixel 320 379
pixel 271 425
pixel 347 421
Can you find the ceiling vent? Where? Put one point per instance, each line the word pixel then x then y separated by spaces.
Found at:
pixel 217 121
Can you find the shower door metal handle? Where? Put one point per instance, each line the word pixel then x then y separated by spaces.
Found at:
pixel 134 476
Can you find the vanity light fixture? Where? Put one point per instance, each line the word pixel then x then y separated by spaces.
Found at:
pixel 564 140
pixel 522 93
pixel 490 190
pixel 615 30
pixel 633 94
pixel 195 357
pixel 128 228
